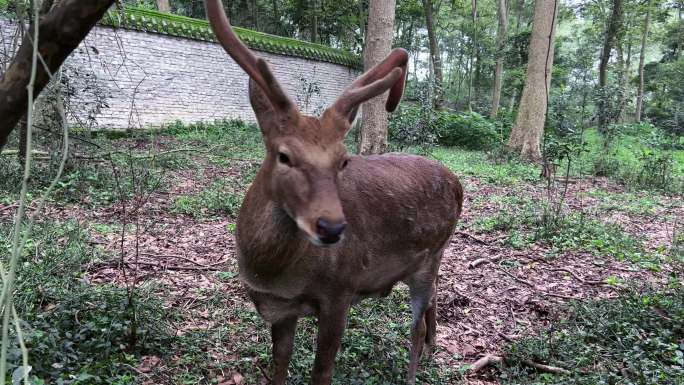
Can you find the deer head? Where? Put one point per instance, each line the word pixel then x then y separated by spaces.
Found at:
pixel 305 156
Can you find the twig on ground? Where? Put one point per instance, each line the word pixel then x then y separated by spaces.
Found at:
pixel 210 265
pixel 577 277
pixel 546 368
pixel 491 359
pixel 171 267
pixel 475 237
pixel 484 362
pixel 481 261
pixel 544 292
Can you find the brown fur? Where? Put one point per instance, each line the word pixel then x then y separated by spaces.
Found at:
pixel 399 210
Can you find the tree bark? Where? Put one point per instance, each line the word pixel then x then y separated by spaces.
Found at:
pixel 163 6
pixel 61 31
pixel 473 50
pixel 642 57
pixel 614 26
pixel 529 125
pixel 435 55
pixel 378 44
pixel 498 72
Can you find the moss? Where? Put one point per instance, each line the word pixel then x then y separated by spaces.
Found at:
pixel 164 23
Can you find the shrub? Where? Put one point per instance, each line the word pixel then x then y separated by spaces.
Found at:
pixel 414 125
pixel 468 130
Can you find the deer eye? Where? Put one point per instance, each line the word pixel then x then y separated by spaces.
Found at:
pixel 344 164
pixel 284 159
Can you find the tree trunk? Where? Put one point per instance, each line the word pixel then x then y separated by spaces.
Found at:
pixel 435 55
pixel 642 57
pixel 614 27
pixel 378 44
pixel 314 21
pixel 60 32
pixel 473 50
pixel 500 45
pixel 163 6
pixel 520 7
pixel 529 126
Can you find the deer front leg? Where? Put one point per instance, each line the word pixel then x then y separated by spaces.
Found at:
pixel 331 324
pixel 282 335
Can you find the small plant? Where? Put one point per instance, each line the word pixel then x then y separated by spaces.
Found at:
pixel 221 198
pixel 634 339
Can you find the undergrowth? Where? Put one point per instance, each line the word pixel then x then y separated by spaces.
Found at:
pixel 637 339
pixel 78 332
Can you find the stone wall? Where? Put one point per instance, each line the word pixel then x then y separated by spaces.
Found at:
pixel 122 78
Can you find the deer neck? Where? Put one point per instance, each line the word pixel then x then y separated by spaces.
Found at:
pixel 267 238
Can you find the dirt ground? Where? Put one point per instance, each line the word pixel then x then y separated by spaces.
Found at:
pixel 489 293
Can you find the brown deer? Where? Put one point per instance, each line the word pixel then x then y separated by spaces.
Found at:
pixel 320 229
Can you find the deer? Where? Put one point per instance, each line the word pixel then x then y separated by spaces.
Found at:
pixel 320 229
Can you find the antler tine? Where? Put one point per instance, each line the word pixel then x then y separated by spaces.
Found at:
pixel 388 74
pixel 256 68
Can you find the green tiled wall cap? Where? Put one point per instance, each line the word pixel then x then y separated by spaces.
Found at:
pixel 146 20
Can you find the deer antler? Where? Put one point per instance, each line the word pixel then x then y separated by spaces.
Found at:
pixel 256 68
pixel 389 73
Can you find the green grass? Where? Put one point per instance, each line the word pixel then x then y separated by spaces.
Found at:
pixel 634 161
pixel 222 198
pixel 476 164
pixel 78 332
pixel 635 203
pixel 635 339
pixel 374 347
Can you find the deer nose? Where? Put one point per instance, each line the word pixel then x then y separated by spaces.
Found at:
pixel 329 233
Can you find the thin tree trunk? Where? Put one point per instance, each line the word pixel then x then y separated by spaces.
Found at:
pixel 624 75
pixel 473 50
pixel 500 45
pixel 61 31
pixel 435 55
pixel 163 6
pixel 614 26
pixel 378 44
pixel 642 57
pixel 519 13
pixel 314 21
pixel 529 126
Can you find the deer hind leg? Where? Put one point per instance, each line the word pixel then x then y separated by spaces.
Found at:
pixel 282 335
pixel 422 293
pixel 431 322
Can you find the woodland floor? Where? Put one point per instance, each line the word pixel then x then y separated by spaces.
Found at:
pixel 183 252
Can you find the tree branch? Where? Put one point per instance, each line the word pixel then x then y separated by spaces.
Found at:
pixel 61 31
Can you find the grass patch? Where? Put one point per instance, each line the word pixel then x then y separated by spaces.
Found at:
pixel 476 164
pixel 634 159
pixel 76 332
pixel 577 232
pixel 374 347
pixel 636 339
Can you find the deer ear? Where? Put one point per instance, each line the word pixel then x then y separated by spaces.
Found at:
pixel 263 109
pixel 270 119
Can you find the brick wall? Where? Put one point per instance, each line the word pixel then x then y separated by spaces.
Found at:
pixel 131 79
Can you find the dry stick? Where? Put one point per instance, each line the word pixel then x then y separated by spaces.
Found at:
pixel 535 288
pixel 490 359
pixel 546 368
pixel 481 261
pixel 577 277
pixel 485 361
pixel 184 258
pixel 172 267
pixel 460 232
